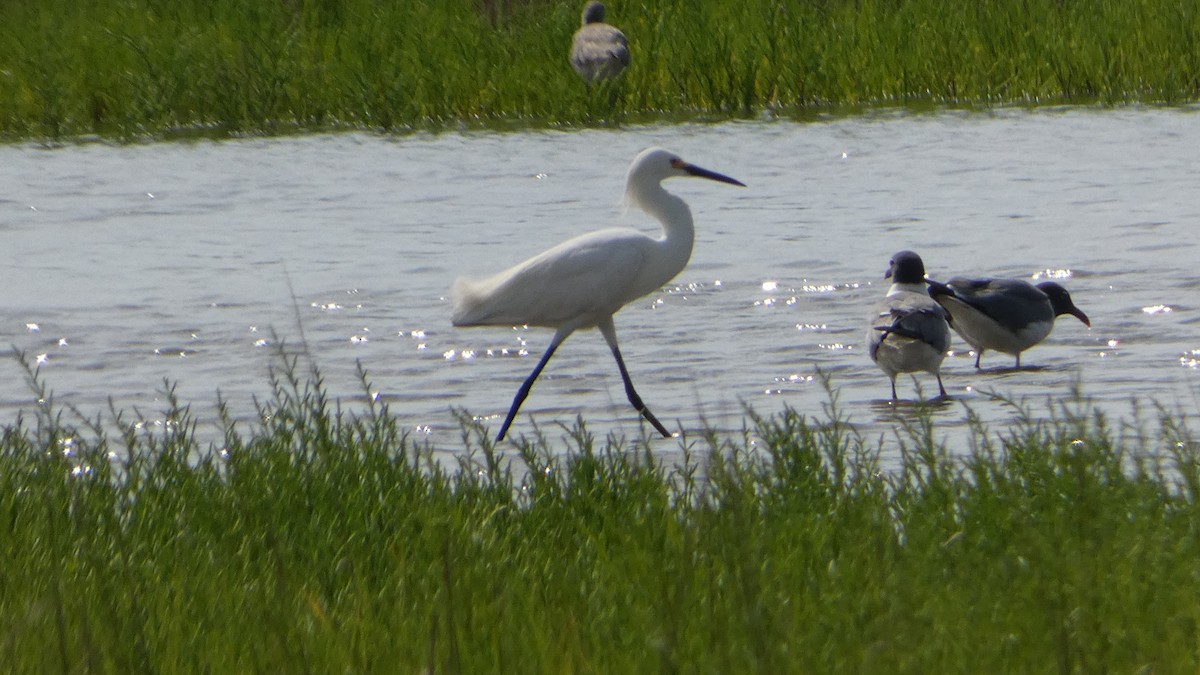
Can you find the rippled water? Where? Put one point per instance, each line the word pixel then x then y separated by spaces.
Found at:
pixel 128 266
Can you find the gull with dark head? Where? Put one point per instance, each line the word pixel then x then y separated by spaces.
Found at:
pixel 908 331
pixel 1004 315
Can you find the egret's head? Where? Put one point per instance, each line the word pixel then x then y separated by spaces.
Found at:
pixel 654 165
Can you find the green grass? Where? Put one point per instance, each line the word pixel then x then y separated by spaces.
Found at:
pixel 152 68
pixel 315 540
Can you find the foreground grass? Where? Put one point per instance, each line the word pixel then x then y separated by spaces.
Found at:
pixel 317 541
pixel 145 67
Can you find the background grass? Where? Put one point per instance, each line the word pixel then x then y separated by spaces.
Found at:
pixel 319 541
pixel 136 68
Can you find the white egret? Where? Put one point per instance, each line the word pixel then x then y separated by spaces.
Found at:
pixel 582 282
pixel 1006 315
pixel 599 51
pixel 908 330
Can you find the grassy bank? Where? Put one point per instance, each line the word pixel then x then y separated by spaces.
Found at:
pixel 317 541
pixel 145 67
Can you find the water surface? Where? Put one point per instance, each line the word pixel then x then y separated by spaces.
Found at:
pixel 128 267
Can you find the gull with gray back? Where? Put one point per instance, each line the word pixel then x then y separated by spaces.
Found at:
pixel 1004 315
pixel 908 332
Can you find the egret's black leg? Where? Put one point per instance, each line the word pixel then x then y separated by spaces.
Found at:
pixel 940 387
pixel 523 392
pixel 636 400
pixel 894 396
pixel 610 336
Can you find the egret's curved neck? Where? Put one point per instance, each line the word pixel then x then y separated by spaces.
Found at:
pixel 670 252
pixel 673 213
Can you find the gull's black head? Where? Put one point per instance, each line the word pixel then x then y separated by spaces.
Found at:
pixel 906 268
pixel 1060 300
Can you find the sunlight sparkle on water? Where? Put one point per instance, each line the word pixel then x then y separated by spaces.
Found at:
pixel 416 335
pixel 1050 273
pixel 819 288
pixel 770 286
pixel 1157 309
pixel 454 354
pixel 1190 359
pixel 796 378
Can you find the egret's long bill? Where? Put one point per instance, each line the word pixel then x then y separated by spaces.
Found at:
pixel 701 172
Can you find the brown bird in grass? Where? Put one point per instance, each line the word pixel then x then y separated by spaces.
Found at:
pixel 599 51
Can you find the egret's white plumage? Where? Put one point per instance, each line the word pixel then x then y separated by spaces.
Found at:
pixel 908 332
pixel 1005 315
pixel 599 51
pixel 582 282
